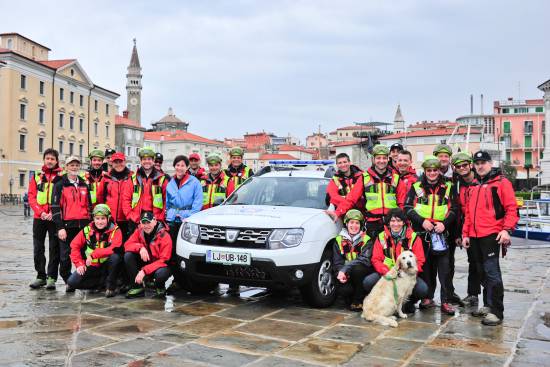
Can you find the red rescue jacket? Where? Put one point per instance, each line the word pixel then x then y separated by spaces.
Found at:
pixel 95 179
pixel 199 174
pixel 71 205
pixel 235 177
pixel 145 202
pixel 408 178
pixel 48 179
pixel 491 207
pixel 340 186
pixel 112 192
pixel 393 250
pixel 103 244
pixel 159 249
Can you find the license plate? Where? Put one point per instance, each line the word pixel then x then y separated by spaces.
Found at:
pixel 229 258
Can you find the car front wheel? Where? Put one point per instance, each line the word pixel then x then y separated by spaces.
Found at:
pixel 321 291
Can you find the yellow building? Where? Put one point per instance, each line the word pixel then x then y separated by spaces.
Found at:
pixel 47 104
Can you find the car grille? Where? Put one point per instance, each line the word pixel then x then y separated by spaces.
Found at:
pixel 233 271
pixel 246 238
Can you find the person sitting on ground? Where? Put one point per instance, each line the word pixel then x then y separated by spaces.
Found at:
pixel 352 252
pixel 94 253
pixel 148 252
pixel 396 238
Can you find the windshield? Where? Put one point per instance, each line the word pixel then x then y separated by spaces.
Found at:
pixel 299 192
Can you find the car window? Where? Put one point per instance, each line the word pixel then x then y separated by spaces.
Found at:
pixel 282 191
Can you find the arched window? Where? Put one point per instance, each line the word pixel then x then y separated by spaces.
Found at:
pixel 10 43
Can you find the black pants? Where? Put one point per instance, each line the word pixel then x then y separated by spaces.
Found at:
pixel 134 264
pixel 26 210
pixel 179 275
pixel 97 276
pixel 419 292
pixel 65 252
pixel 436 266
pixel 353 288
pixel 124 230
pixel 486 251
pixel 39 230
pixel 474 282
pixel 373 228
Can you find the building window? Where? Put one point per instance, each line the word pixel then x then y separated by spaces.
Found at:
pixel 71 148
pixel 71 97
pixel 95 128
pixel 40 145
pixel 505 110
pixel 81 100
pixel 60 147
pixel 71 122
pixel 81 125
pixel 61 120
pixel 22 179
pixel 508 157
pixel 22 141
pixel 61 94
pixel 107 109
pixel 539 109
pixel 41 88
pixel 10 44
pixel 41 115
pixel 128 151
pixel 95 105
pixel 107 131
pixel 506 127
pixel 23 81
pixel 528 141
pixel 81 150
pixel 521 110
pixel 528 158
pixel 23 111
pixel 528 127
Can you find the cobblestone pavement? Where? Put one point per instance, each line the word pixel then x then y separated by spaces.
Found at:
pixel 50 328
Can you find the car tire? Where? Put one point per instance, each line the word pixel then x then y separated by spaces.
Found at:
pixel 321 291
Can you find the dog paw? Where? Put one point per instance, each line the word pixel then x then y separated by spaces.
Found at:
pixel 393 323
pixel 403 315
pixel 393 317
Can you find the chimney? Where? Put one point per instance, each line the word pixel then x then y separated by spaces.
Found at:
pixel 125 114
pixel 471 104
pixel 481 108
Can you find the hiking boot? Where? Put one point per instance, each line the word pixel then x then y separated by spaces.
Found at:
pixel 491 320
pixel 481 312
pixel 160 293
pixel 426 303
pixel 470 300
pixel 173 288
pixel 356 307
pixel 135 292
pixel 110 293
pixel 233 290
pixel 38 283
pixel 50 283
pixel 69 289
pixel 447 309
pixel 455 299
pixel 408 307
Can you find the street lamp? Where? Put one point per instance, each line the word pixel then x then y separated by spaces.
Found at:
pixel 11 185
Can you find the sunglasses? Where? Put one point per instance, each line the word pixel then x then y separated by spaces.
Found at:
pixel 463 165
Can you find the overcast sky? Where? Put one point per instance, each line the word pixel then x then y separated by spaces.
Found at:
pixel 231 67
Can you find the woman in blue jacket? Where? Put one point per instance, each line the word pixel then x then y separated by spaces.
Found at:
pixel 183 199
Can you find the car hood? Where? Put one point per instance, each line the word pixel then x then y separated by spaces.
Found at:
pixel 254 216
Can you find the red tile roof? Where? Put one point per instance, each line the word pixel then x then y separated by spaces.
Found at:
pixel 178 135
pixel 434 132
pixel 292 148
pixel 356 127
pixel 56 64
pixel 266 157
pixel 121 120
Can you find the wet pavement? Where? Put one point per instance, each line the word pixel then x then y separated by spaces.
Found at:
pixel 51 328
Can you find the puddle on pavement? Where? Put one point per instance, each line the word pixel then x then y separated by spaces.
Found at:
pixel 544 329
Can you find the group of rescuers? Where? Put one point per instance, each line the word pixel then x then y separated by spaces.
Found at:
pixel 459 200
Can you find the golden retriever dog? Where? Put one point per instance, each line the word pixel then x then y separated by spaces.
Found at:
pixel 380 305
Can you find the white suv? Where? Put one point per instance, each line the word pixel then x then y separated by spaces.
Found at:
pixel 272 232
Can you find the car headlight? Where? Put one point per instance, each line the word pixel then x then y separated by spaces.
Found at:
pixel 190 232
pixel 283 238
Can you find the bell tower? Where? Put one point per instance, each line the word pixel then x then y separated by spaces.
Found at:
pixel 133 87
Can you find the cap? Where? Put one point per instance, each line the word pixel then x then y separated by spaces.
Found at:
pixel 195 156
pixel 147 217
pixel 431 162
pixel 214 158
pixel 460 158
pixel 96 153
pixel 380 149
pixel 236 151
pixel 146 152
pixel 443 148
pixel 159 157
pixel 118 156
pixel 109 151
pixel 354 214
pixel 482 155
pixel 396 146
pixel 72 159
pixel 102 209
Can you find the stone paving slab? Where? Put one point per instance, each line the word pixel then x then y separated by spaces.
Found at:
pixel 52 328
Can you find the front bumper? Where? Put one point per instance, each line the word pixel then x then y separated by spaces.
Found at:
pixel 261 272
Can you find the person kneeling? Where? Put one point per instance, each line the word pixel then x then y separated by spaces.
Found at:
pixel 93 252
pixel 396 238
pixel 352 252
pixel 148 251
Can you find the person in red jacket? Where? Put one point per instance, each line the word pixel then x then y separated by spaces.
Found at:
pixel 148 251
pixel 94 177
pixel 407 173
pixel 237 172
pixel 195 166
pixel 93 253
pixel 71 208
pixel 396 238
pixel 491 216
pixel 344 180
pixel 40 199
pixel 145 191
pixel 395 149
pixel 115 181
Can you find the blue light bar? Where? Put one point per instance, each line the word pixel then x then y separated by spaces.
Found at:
pixel 317 162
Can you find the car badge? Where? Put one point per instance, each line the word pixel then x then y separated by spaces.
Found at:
pixel 231 235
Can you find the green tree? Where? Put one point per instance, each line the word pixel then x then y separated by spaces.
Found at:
pixel 509 171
